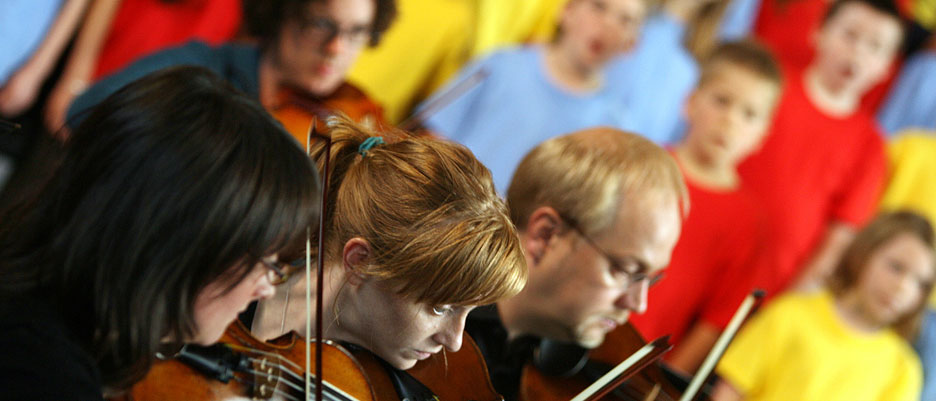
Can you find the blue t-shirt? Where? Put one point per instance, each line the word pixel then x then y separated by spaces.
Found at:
pixel 655 79
pixel 516 106
pixel 912 101
pixel 738 20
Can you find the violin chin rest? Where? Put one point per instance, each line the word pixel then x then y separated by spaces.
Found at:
pixel 559 359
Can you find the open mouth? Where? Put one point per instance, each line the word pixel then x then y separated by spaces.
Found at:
pixel 596 47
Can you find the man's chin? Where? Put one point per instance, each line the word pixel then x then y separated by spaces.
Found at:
pixel 591 339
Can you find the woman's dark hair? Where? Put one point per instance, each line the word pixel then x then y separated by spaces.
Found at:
pixel 878 233
pixel 264 19
pixel 173 182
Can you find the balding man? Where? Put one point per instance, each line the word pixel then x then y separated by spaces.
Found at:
pixel 599 212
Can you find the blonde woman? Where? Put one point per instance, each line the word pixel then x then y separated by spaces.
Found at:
pixel 415 238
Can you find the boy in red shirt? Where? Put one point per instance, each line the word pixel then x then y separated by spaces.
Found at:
pixel 822 166
pixel 717 259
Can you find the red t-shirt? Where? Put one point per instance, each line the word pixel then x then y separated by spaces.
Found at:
pixel 787 28
pixel 142 27
pixel 813 169
pixel 714 266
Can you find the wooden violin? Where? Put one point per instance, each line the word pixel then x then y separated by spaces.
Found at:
pixel 296 109
pixel 243 367
pixel 561 371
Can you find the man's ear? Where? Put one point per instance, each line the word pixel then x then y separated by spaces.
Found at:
pixel 354 255
pixel 543 225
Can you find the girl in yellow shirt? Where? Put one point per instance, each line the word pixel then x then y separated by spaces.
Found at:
pixel 846 342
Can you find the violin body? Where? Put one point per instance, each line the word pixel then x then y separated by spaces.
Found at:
pixel 172 380
pixel 649 384
pixel 453 376
pixel 296 110
pixel 457 376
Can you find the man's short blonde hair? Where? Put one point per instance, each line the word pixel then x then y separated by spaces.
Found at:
pixel 585 175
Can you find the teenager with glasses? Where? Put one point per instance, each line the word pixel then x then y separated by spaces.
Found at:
pixel 415 238
pixel 598 213
pixel 155 229
pixel 303 52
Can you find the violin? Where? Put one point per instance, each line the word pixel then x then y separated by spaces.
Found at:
pixel 241 366
pixel 457 376
pixel 560 371
pixel 296 109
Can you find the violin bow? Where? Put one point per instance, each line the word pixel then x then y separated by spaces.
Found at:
pixel 722 343
pixel 624 370
pixel 320 275
pixel 437 103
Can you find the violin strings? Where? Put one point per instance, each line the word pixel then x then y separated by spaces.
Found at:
pixel 283 364
pixel 330 393
pixel 291 378
pixel 276 391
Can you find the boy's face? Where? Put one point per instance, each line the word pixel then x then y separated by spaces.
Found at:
pixel 594 31
pixel 855 48
pixel 729 114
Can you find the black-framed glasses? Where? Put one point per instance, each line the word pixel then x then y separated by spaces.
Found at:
pixel 629 278
pixel 324 30
pixel 279 272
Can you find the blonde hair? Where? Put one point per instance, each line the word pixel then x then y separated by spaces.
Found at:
pixel 436 228
pixel 584 176
pixel 879 232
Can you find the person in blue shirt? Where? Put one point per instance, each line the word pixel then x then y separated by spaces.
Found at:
pixel 533 93
pixel 912 101
pixel 655 78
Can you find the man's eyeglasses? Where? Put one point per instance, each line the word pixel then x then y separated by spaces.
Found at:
pixel 324 30
pixel 628 278
pixel 279 272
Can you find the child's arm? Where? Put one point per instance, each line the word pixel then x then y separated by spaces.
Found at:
pixel 694 347
pixel 80 65
pixel 20 91
pixel 724 391
pixel 826 257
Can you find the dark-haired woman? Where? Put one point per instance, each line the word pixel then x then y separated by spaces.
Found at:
pixel 163 219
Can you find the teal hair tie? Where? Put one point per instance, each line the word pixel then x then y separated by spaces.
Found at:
pixel 368 144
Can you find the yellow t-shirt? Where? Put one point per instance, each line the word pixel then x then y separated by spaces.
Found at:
pixel 510 22
pixel 799 349
pixel 431 40
pixel 912 183
pixel 427 44
pixel 924 12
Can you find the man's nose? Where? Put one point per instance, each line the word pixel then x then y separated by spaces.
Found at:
pixel 634 297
